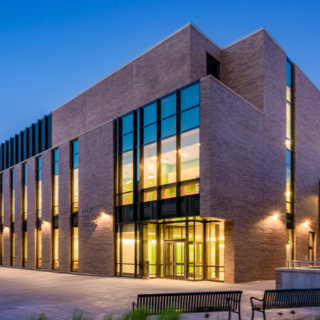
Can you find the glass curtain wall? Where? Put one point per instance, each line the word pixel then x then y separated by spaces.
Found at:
pixel 289 163
pixel 157 178
pixel 39 212
pixel 159 145
pixel 55 210
pixel 1 220
pixel 12 217
pixel 75 202
pixel 24 214
pixel 180 248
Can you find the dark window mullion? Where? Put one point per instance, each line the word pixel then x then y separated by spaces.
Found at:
pixel 184 110
pixel 158 160
pixel 140 166
pixel 135 195
pixel 178 145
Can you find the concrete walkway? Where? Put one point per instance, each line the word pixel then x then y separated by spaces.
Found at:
pixel 24 293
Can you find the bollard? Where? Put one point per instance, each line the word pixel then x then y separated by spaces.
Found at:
pixel 147 266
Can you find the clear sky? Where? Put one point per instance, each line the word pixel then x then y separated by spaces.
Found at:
pixel 52 50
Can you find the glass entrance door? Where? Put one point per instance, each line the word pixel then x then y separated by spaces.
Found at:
pixel 174 259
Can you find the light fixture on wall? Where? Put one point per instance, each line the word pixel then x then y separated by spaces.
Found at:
pixel 275 216
pixel 306 223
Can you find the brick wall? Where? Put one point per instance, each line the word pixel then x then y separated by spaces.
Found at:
pixel 64 208
pixel 243 159
pixel 307 155
pixel 96 189
pixel 242 68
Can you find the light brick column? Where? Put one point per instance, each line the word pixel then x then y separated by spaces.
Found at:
pixel 46 227
pixel 64 208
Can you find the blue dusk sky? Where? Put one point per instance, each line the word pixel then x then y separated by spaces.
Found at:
pixel 52 50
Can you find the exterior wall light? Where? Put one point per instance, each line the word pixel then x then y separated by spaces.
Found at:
pixel 306 223
pixel 275 216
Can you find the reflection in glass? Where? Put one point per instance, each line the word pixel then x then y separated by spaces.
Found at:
pixel 118 249
pixel 168 106
pixel 127 254
pixel 13 210
pixel 25 248
pixel 127 124
pixel 127 142
pixel 169 192
pixel 55 249
pixel 75 249
pixel 190 119
pixel 150 248
pixel 150 166
pixel 190 188
pixel 126 198
pixel 288 94
pixel 190 97
pixel 288 185
pixel 150 114
pixel 25 202
pixel 198 250
pixel 75 189
pixel 215 251
pixel 127 171
pixel 55 191
pixel 150 196
pixel 175 231
pixel 289 245
pixel 39 198
pixel 288 157
pixel 288 121
pixel 150 133
pixel 288 207
pixel 168 127
pixel 289 73
pixel 39 249
pixel 168 160
pixel 190 155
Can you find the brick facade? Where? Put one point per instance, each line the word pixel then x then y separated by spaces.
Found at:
pixel 242 155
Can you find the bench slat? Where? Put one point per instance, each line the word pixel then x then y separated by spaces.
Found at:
pixel 190 302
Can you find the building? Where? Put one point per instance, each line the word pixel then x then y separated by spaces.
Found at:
pixel 199 160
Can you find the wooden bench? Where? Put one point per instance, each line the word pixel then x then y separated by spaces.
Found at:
pixel 286 298
pixel 190 302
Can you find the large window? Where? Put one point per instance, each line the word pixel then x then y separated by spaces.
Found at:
pixel 158 158
pixel 289 194
pixel 55 210
pixel 39 212
pixel 24 214
pixel 75 202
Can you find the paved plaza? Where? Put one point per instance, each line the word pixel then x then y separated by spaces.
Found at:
pixel 26 293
